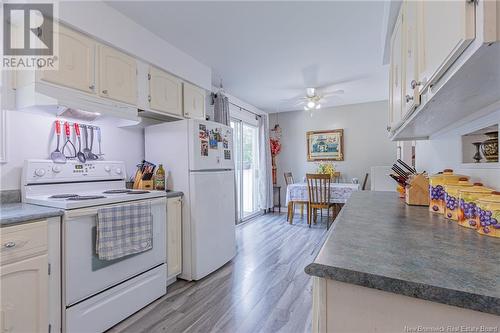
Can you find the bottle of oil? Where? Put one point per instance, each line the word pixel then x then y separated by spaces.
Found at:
pixel 160 178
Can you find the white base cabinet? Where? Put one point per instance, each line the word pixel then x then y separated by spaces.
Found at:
pixel 174 238
pixel 30 277
pixel 24 286
pixel 342 307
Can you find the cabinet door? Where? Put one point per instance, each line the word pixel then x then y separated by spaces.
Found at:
pixel 194 102
pixel 117 75
pixel 174 236
pixel 411 88
pixel 396 73
pixel 24 301
pixel 76 61
pixel 447 28
pixel 165 92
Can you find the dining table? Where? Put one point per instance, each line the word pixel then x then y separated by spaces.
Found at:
pixel 298 193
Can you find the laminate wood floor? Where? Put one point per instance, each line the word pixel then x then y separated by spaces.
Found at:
pixel 263 289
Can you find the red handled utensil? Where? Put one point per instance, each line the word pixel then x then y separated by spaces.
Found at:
pixel 81 156
pixel 57 156
pixel 68 144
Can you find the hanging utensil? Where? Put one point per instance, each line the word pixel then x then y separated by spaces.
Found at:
pixel 57 156
pixel 81 156
pixel 68 144
pixel 92 156
pixel 99 140
pixel 86 150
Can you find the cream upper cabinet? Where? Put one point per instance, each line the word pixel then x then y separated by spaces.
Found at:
pixel 411 87
pixel 174 237
pixel 194 102
pixel 165 92
pixel 24 304
pixel 396 74
pixel 447 29
pixel 117 75
pixel 76 58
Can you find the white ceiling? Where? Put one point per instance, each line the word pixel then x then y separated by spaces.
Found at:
pixel 267 52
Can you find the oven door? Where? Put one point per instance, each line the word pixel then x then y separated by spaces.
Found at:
pixel 85 274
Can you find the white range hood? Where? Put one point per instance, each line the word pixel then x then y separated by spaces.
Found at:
pixel 36 94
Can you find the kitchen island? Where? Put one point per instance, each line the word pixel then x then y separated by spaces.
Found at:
pixel 389 267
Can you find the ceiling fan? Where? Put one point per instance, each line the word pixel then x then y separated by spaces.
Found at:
pixel 313 98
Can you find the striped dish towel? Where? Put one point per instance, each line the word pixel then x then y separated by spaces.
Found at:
pixel 124 230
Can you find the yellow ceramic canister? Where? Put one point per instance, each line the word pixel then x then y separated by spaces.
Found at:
pixel 451 198
pixel 436 189
pixel 488 215
pixel 467 201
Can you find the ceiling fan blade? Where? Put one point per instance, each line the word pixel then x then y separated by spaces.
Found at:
pixel 332 93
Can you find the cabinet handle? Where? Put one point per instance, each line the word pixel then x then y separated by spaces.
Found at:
pixel 105 91
pixel 149 98
pixel 415 83
pixel 10 245
pixel 409 98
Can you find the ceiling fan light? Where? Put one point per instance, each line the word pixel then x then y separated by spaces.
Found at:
pixel 318 106
pixel 310 104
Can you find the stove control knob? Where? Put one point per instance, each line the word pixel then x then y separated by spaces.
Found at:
pixel 107 168
pixel 56 168
pixel 118 171
pixel 40 172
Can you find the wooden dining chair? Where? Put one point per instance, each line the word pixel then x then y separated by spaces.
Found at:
pixel 318 187
pixel 289 180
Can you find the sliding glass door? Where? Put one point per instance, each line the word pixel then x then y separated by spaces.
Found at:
pixel 246 149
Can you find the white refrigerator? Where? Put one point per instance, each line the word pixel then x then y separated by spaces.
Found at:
pixel 198 160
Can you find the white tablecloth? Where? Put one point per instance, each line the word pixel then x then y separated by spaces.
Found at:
pixel 339 192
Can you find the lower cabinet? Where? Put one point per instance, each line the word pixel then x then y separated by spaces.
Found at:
pixel 24 286
pixel 174 238
pixel 29 286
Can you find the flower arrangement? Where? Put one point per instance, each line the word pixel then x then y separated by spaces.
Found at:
pixel 275 147
pixel 326 168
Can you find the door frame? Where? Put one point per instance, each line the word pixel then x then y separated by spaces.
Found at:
pixel 239 170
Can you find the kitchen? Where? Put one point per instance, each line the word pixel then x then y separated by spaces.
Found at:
pixel 127 108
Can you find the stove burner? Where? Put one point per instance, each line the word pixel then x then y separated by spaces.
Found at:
pixel 116 191
pixel 86 197
pixel 63 196
pixel 137 192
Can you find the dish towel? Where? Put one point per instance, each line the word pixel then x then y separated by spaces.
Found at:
pixel 124 230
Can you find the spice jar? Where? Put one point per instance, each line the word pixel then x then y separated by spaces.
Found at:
pixel 451 198
pixel 436 189
pixel 467 201
pixel 488 215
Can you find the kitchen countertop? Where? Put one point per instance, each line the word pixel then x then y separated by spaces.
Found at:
pixel 377 241
pixel 172 194
pixel 14 213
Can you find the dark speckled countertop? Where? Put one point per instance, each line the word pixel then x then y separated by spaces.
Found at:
pixel 377 241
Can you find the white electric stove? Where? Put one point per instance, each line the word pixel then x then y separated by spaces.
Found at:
pixel 97 294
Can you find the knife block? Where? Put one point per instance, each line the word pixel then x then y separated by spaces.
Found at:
pixel 417 190
pixel 141 184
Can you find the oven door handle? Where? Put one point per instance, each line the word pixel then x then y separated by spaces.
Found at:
pixel 89 211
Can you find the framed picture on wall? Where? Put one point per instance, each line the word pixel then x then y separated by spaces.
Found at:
pixel 325 145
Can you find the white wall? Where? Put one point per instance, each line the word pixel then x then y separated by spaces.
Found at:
pixel 445 151
pixel 31 135
pixel 366 143
pixel 109 25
